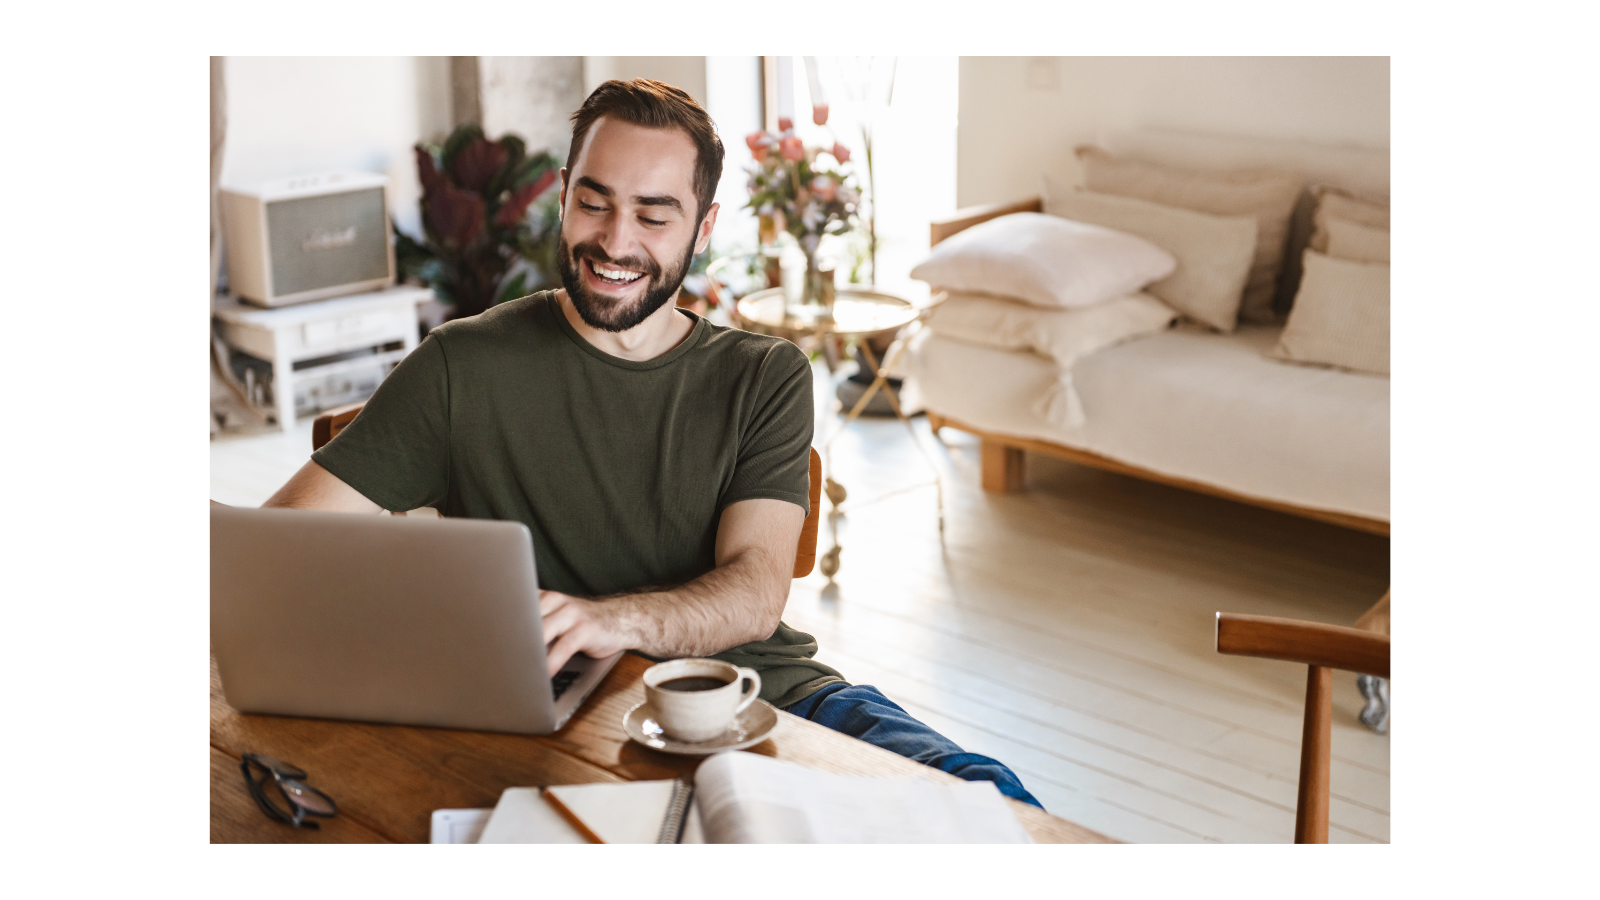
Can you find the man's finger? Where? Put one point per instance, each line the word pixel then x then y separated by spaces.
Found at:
pixel 559 623
pixel 550 601
pixel 560 652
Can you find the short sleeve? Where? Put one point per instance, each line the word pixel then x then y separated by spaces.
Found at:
pixel 774 460
pixel 397 450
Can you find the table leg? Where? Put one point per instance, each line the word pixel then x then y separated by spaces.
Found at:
pixel 283 391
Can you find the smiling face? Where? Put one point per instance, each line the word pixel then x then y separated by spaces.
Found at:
pixel 629 222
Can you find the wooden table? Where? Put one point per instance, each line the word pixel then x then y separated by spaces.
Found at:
pixel 388 779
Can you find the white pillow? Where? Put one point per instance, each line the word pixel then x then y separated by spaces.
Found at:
pixel 1064 335
pixel 1044 260
pixel 1214 253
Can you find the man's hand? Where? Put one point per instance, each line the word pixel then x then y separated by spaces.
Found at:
pixel 575 625
pixel 739 601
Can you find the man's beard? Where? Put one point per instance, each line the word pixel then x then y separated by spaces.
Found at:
pixel 605 313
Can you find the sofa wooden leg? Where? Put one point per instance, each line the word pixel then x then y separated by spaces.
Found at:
pixel 1002 467
pixel 935 422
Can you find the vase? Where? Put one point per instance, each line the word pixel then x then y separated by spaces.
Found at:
pixel 816 286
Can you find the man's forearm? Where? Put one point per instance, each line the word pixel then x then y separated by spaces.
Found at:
pixel 732 604
pixel 314 487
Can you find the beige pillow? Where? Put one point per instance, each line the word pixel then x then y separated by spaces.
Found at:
pixel 1214 252
pixel 1333 203
pixel 1044 260
pixel 1266 194
pixel 1340 316
pixel 1348 240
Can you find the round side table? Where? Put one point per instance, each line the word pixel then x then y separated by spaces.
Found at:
pixel 856 312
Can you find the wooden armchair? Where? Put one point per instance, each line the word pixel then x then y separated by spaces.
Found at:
pixel 330 423
pixel 1322 648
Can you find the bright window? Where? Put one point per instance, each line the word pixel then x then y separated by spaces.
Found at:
pixel 913 145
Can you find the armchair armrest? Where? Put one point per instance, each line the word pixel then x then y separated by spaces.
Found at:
pixel 962 219
pixel 1308 643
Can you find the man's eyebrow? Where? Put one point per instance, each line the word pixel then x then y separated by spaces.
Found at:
pixel 666 200
pixel 591 184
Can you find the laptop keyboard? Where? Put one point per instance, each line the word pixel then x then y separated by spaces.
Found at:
pixel 562 681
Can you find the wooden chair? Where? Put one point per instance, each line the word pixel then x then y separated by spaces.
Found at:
pixel 1322 648
pixel 330 423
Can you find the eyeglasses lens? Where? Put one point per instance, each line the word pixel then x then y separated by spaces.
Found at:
pixel 306 798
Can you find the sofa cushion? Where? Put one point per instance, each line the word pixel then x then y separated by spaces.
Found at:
pixel 1267 194
pixel 1044 260
pixel 1340 317
pixel 1200 406
pixel 1354 241
pixel 1332 203
pixel 1214 252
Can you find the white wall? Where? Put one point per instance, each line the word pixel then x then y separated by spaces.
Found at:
pixel 532 97
pixel 293 115
pixel 686 72
pixel 1020 117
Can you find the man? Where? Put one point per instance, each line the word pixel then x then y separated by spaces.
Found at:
pixel 660 461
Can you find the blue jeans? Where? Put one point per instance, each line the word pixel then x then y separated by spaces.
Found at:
pixel 862 711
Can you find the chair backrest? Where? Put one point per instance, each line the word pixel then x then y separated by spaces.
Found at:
pixel 330 423
pixel 1322 648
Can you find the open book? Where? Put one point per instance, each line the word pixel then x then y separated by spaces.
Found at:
pixel 744 798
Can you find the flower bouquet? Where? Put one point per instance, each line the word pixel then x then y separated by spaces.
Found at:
pixel 802 190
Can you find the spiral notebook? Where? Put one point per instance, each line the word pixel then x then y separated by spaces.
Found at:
pixel 636 812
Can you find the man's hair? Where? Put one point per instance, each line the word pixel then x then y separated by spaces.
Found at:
pixel 654 104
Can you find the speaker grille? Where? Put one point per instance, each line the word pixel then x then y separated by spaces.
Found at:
pixel 327 240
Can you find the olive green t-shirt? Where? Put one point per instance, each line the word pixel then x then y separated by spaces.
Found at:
pixel 620 469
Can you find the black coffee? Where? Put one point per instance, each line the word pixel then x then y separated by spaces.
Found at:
pixel 693 683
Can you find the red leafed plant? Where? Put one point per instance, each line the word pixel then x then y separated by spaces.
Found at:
pixel 488 214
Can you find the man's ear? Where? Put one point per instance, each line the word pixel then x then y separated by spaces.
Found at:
pixel 702 238
pixel 561 199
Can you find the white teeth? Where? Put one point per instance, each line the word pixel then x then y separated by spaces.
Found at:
pixel 614 274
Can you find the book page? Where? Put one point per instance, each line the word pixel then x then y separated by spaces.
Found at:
pixel 746 798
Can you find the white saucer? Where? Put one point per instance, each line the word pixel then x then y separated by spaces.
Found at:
pixel 749 729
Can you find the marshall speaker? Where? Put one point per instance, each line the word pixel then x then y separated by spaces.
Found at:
pixel 307 238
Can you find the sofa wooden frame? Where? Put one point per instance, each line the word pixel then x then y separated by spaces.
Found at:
pixel 1002 455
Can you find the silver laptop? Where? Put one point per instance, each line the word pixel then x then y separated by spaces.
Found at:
pixel 393 619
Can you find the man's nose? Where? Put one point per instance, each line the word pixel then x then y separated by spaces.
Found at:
pixel 619 240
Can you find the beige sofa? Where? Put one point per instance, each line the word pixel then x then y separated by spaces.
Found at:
pixel 1189 407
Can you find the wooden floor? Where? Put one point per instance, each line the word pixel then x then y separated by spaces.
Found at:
pixel 1067 630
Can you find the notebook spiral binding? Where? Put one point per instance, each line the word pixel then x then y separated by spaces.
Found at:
pixel 677 812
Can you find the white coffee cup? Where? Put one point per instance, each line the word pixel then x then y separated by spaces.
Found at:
pixel 694 710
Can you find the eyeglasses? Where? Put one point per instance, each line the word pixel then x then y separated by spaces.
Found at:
pixel 302 799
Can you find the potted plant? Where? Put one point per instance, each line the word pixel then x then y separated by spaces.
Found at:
pixel 490 229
